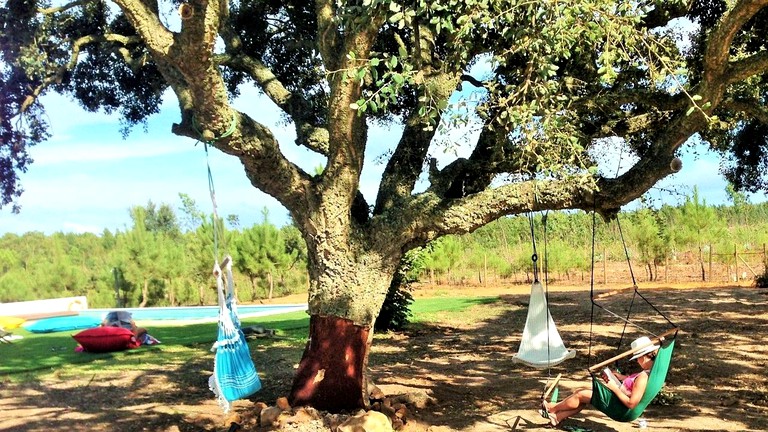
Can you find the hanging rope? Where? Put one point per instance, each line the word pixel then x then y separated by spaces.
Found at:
pixel 541 345
pixel 546 298
pixel 632 276
pixel 234 374
pixel 534 256
pixel 592 285
pixel 636 293
pixel 217 225
pixel 215 217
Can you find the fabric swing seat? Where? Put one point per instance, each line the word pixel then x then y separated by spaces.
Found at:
pixel 541 345
pixel 604 400
pixel 234 374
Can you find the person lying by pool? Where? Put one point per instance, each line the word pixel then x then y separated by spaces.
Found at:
pixel 124 319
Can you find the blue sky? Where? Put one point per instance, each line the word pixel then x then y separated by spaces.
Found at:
pixel 86 177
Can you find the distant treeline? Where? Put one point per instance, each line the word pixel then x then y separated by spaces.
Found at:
pixel 564 241
pixel 163 260
pixel 167 259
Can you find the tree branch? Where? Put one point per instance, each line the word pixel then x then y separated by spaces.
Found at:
pixel 464 177
pixel 742 69
pixel 406 163
pixel 148 25
pixel 57 75
pixel 63 8
pixel 347 128
pixel 752 108
pixel 327 34
pixel 405 166
pixel 268 169
pixel 665 11
pixel 721 37
pixel 307 134
pixel 429 217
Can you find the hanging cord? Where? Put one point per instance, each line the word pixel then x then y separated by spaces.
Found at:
pixel 212 191
pixel 211 188
pixel 634 282
pixel 546 289
pixel 636 291
pixel 635 294
pixel 592 285
pixel 546 293
pixel 535 263
pixel 626 319
pixel 534 256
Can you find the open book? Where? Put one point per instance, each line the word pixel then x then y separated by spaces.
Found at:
pixel 611 377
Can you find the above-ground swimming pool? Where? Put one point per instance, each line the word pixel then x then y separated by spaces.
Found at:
pixel 195 313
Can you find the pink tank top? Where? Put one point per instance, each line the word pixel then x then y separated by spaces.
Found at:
pixel 629 383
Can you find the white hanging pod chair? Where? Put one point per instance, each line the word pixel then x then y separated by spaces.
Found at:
pixel 541 345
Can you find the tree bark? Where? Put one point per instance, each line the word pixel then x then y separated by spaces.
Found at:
pixel 144 293
pixel 347 290
pixel 332 371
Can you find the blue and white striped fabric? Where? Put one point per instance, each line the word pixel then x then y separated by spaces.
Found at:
pixel 234 375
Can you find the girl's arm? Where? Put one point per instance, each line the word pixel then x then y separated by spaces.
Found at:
pixel 641 382
pixel 630 401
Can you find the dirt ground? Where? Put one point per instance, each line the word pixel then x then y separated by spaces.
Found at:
pixel 717 380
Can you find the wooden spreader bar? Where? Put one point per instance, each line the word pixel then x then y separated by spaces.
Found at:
pixel 654 340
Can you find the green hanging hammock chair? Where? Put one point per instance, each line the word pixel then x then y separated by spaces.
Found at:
pixel 603 399
pixel 608 403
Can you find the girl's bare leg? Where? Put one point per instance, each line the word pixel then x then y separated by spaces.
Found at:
pixel 575 402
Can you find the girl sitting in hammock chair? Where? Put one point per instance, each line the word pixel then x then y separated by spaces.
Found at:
pixel 629 392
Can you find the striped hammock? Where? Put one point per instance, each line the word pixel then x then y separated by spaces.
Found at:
pixel 234 375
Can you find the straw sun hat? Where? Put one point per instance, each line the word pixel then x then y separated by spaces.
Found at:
pixel 642 346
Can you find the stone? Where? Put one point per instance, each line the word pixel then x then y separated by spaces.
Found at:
pixel 302 415
pixel 258 407
pixel 372 421
pixel 269 416
pixel 418 399
pixel 282 403
pixel 375 393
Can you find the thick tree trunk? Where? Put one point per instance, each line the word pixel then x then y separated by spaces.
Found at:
pixel 171 292
pixel 345 297
pixel 254 294
pixel 144 293
pixel 331 374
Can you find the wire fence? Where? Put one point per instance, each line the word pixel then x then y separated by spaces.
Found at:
pixel 707 265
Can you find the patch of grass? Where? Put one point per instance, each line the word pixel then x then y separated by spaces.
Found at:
pixel 440 309
pixel 39 354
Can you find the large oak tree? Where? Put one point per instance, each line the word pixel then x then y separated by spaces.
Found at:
pixel 542 88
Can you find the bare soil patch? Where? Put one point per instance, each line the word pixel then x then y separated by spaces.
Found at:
pixel 717 380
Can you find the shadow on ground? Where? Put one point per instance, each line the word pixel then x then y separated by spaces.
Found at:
pixel 717 380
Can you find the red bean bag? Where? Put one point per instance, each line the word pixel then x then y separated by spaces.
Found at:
pixel 106 339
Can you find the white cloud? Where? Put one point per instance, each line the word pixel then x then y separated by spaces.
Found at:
pixel 80 228
pixel 66 116
pixel 62 152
